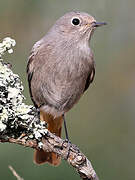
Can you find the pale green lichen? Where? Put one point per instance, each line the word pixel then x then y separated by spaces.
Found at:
pixel 2 126
pixel 6 45
pixel 3 115
pixel 23 111
pixel 15 116
pixel 40 145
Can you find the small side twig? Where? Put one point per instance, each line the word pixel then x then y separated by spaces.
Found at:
pixel 15 173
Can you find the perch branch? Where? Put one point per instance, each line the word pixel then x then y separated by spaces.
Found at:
pixel 67 151
pixel 20 123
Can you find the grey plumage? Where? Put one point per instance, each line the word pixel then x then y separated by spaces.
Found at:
pixel 61 64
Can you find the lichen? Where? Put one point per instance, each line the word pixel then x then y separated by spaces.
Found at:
pixel 15 116
pixel 2 126
pixel 40 145
pixel 7 45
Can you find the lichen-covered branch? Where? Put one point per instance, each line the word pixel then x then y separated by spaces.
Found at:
pixel 20 123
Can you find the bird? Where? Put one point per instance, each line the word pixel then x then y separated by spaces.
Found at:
pixel 60 69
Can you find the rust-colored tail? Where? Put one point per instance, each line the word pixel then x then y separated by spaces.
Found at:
pixel 54 126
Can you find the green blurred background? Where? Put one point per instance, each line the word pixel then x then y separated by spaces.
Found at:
pixel 102 123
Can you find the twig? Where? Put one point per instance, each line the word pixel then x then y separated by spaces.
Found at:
pixel 15 173
pixel 67 151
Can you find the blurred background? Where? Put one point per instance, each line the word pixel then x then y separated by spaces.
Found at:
pixel 102 124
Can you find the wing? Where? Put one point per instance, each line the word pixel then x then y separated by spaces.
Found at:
pixel 90 78
pixel 30 69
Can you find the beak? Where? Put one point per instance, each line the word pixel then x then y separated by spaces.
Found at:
pixel 97 24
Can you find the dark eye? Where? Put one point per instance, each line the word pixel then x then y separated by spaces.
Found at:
pixel 75 21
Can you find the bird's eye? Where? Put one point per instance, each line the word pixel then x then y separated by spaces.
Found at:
pixel 75 21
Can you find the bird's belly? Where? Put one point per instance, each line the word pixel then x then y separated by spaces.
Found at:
pixel 69 92
pixel 64 88
pixel 64 98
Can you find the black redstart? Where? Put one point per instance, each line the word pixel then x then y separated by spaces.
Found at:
pixel 60 69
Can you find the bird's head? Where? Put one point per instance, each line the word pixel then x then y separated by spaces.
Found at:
pixel 77 25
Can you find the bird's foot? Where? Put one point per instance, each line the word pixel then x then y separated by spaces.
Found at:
pixel 69 146
pixel 38 111
pixel 22 136
pixel 67 141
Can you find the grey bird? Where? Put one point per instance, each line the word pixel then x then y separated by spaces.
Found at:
pixel 60 69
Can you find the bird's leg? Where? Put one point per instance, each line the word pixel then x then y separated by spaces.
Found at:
pixel 38 112
pixel 65 126
pixel 67 137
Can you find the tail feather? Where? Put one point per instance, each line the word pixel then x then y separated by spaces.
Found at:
pixel 41 157
pixel 54 126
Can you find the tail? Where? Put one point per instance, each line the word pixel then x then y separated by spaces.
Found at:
pixel 54 126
